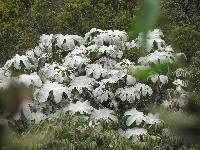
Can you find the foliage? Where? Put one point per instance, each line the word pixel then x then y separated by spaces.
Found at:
pixel 194 71
pixel 186 40
pixel 74 132
pixel 179 21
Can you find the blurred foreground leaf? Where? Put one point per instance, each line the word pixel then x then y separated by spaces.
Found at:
pixel 146 17
pixel 143 72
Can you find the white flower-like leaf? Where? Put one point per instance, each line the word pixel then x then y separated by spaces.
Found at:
pixel 32 116
pixel 134 116
pixel 105 114
pixel 132 93
pixel 107 37
pixel 81 82
pixel 96 70
pixel 32 79
pixel 102 94
pixel 130 45
pixel 161 78
pixel 54 72
pixel 17 61
pixel 45 42
pixel 155 36
pixel 179 82
pixel 154 78
pixel 81 107
pixel 81 50
pixel 180 73
pixel 111 51
pixel 58 90
pixel 75 61
pixel 68 41
pixel 135 132
pixel 152 119
pixel 130 80
pixel 125 65
pixel 157 57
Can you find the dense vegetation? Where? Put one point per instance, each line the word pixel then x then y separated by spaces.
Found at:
pixel 104 84
pixel 180 21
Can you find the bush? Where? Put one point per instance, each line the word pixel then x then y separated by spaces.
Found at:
pixel 91 77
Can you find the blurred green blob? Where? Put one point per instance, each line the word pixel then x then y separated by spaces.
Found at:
pixel 147 16
pixel 142 73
